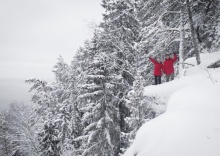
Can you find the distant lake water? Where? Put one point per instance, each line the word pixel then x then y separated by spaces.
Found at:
pixel 14 90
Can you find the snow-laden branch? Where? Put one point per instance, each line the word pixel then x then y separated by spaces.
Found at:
pixel 168 12
pixel 170 29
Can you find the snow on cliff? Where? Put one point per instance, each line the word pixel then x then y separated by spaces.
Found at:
pixel 191 124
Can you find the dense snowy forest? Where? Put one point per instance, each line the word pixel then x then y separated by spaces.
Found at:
pixel 96 104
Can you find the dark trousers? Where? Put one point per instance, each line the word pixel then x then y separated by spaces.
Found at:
pixel 157 80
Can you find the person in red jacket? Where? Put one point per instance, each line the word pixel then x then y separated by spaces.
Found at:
pixel 168 68
pixel 158 66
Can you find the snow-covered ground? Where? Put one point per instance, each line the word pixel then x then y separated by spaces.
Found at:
pixel 191 124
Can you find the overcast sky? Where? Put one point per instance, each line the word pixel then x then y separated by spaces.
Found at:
pixel 33 33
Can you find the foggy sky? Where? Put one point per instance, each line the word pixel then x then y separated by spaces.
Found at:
pixel 33 33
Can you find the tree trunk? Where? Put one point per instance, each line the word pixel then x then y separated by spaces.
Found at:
pixel 6 147
pixel 195 44
pixel 182 43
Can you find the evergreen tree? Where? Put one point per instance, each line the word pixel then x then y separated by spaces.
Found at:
pixel 206 18
pixel 49 140
pixel 47 112
pixel 137 108
pixel 101 113
pixel 65 128
pixel 63 88
pixel 122 29
pixel 22 130
pixel 4 139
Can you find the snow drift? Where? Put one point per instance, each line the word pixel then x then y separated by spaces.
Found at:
pixel 191 124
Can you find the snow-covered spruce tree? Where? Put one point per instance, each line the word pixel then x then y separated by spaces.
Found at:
pixel 4 139
pixel 205 14
pixel 47 113
pixel 137 107
pixel 100 118
pixel 122 28
pixel 58 110
pixel 142 109
pixel 62 84
pixel 49 140
pixel 22 130
pixel 216 42
pixel 46 100
pixel 43 95
pixel 62 90
pixel 122 33
pixel 64 128
pixel 78 69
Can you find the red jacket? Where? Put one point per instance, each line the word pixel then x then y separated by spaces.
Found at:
pixel 157 67
pixel 168 65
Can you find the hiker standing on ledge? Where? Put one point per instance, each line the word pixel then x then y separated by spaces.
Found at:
pixel 168 68
pixel 158 66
